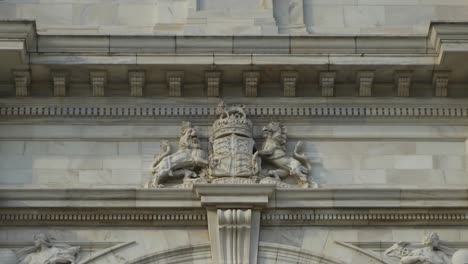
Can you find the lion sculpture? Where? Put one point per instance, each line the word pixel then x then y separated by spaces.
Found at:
pixel 185 163
pixel 274 152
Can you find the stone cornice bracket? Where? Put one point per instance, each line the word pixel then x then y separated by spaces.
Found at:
pixel 251 81
pixel 233 212
pixel 403 83
pixel 60 83
pixel 136 81
pixel 22 82
pixel 98 82
pixel 440 81
pixel 175 80
pixel 289 82
pixel 213 83
pixel 327 83
pixel 365 81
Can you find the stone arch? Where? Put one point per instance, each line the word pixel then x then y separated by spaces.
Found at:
pixel 267 253
pixel 180 255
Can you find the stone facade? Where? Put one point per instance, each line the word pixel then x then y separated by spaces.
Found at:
pixel 233 132
pixel 253 17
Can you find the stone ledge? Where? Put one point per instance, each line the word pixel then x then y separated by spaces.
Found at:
pixel 234 195
pixel 281 198
pixel 438 41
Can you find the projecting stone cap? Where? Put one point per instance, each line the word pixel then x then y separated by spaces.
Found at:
pixel 234 195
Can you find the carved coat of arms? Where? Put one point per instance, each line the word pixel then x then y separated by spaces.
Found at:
pixel 233 146
pixel 232 157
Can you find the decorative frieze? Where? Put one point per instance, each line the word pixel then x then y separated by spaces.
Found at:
pixel 403 111
pixel 98 82
pixel 365 81
pixel 213 83
pixel 365 217
pixel 440 81
pixel 60 83
pixel 251 81
pixel 289 81
pixel 327 83
pixel 403 83
pixel 198 217
pixel 106 216
pixel 175 81
pixel 136 80
pixel 22 82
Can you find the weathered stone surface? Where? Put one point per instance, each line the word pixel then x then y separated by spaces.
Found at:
pixel 389 169
pixel 262 17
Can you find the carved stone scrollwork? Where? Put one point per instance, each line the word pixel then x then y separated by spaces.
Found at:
pixel 234 235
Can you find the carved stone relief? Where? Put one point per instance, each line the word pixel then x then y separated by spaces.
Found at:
pixel 233 158
pixel 45 251
pixel 186 163
pixel 274 152
pixel 431 251
pixel 232 144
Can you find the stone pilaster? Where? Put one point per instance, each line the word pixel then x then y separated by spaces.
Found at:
pixel 440 81
pixel 289 81
pixel 136 80
pixel 403 83
pixel 213 83
pixel 22 82
pixel 60 83
pixel 251 80
pixel 98 82
pixel 175 81
pixel 327 83
pixel 365 81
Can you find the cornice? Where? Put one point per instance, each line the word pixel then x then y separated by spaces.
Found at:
pixel 376 109
pixel 299 49
pixel 20 30
pixel 280 198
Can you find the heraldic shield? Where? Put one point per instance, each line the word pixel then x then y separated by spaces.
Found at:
pixel 234 156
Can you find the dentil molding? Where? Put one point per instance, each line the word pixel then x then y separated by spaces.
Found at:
pixel 421 110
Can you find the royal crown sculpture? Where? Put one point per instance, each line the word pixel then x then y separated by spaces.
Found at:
pixel 233 156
